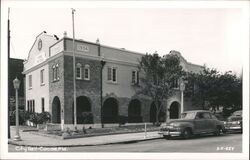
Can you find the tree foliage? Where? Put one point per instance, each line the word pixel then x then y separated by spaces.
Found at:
pixel 212 89
pixel 158 74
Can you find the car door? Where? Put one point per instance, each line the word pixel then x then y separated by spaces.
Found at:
pixel 214 122
pixel 199 126
pixel 209 122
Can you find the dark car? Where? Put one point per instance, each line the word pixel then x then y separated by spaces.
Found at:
pixel 194 122
pixel 234 122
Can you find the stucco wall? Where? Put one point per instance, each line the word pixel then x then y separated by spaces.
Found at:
pixel 124 86
pixel 38 91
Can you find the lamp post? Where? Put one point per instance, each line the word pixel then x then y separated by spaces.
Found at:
pixel 102 65
pixel 182 88
pixel 16 84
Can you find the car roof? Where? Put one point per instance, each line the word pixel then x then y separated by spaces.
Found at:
pixel 196 111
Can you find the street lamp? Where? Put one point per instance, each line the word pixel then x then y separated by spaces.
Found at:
pixel 102 65
pixel 16 84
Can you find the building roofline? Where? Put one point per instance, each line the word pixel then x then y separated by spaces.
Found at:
pixel 17 59
pixel 106 46
pixel 187 62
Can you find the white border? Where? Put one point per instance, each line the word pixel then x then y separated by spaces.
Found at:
pixel 244 5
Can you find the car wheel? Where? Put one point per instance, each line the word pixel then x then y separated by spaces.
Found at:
pixel 186 134
pixel 167 137
pixel 218 131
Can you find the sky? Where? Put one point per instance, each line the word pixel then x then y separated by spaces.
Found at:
pixel 209 36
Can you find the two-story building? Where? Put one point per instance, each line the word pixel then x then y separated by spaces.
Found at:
pixel 105 81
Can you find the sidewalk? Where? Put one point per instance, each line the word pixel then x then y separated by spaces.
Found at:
pixel 29 139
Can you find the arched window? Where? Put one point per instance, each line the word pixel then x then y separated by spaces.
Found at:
pixel 78 71
pixel 86 72
pixel 54 72
pixel 57 71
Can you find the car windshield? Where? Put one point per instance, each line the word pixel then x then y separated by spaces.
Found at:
pixel 188 115
pixel 234 118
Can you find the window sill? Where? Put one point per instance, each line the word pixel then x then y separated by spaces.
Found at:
pixel 43 84
pixel 55 80
pixel 30 88
pixel 111 82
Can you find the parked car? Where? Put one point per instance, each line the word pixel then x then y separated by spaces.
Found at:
pixel 234 122
pixel 194 122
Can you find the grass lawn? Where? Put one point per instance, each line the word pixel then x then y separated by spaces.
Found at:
pixel 104 131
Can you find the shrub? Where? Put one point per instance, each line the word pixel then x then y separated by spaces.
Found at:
pixel 34 118
pixel 23 117
pixel 122 120
pixel 43 117
pixel 87 117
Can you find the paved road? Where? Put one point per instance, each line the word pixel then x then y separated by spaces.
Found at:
pixel 226 143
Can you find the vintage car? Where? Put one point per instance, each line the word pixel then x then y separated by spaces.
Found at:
pixel 234 122
pixel 194 122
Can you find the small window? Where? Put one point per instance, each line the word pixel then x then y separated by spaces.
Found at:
pixel 135 77
pixel 42 77
pixel 33 109
pixel 54 73
pixel 42 104
pixel 109 74
pixel 57 71
pixel 28 106
pixel 30 81
pixel 86 72
pixel 175 83
pixel 112 74
pixel 78 71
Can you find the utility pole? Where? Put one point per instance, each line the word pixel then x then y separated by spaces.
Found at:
pixel 74 73
pixel 8 37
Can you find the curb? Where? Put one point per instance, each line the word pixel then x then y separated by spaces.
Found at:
pixel 82 145
pixel 84 136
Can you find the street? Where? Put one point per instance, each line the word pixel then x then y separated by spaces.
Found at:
pixel 228 143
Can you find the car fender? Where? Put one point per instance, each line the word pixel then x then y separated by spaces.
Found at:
pixel 185 125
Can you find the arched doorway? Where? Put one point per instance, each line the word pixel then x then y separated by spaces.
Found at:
pixel 83 110
pixel 134 111
pixel 110 111
pixel 56 110
pixel 174 110
pixel 153 110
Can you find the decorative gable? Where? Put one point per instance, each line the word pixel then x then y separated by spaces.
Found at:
pixel 39 51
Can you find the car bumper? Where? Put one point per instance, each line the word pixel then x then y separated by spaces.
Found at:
pixel 170 133
pixel 233 128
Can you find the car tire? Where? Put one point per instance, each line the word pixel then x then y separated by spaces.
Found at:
pixel 218 131
pixel 186 134
pixel 167 137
